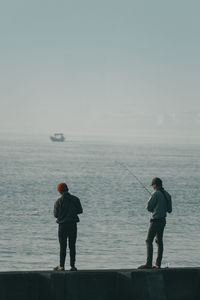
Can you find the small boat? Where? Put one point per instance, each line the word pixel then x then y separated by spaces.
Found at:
pixel 57 137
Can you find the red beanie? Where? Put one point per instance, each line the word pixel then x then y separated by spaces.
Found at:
pixel 62 187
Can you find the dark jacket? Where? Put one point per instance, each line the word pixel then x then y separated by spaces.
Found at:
pixel 159 204
pixel 67 208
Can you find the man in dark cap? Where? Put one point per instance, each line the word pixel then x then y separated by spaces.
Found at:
pixel 66 210
pixel 158 205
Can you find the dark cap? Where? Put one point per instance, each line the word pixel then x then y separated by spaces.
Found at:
pixel 156 181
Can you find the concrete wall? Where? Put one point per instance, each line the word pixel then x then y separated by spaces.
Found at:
pixel 165 284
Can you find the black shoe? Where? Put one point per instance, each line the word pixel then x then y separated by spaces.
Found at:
pixel 145 267
pixel 58 268
pixel 73 269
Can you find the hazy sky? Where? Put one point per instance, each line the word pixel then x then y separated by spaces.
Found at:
pixel 103 67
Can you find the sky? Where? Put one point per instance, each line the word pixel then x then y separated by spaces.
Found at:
pixel 100 68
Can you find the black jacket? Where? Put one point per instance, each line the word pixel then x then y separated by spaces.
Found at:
pixel 67 208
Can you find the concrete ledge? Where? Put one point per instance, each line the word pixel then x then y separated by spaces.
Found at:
pixel 164 284
pixel 84 285
pixel 24 285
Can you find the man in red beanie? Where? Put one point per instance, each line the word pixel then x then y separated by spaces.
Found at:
pixel 66 210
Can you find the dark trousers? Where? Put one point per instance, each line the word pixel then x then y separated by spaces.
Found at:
pixel 67 232
pixel 156 229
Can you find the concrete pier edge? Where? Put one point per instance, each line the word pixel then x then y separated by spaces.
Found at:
pixel 163 284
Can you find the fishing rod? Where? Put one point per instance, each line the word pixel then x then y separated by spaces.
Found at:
pixel 130 172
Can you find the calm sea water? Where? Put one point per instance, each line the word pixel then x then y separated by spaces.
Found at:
pixel 113 228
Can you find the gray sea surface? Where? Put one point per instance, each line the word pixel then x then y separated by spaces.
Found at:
pixel 112 229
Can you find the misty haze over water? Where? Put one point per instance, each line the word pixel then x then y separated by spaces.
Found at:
pixel 121 80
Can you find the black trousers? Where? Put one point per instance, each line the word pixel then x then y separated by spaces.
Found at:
pixel 67 232
pixel 156 229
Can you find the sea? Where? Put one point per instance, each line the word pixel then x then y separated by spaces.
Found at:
pixel 109 178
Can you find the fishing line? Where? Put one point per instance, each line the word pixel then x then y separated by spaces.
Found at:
pixel 130 172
